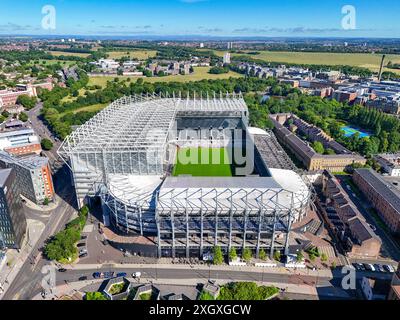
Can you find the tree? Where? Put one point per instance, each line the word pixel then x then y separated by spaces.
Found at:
pixel 318 147
pixel 26 101
pixel 46 201
pixel 246 291
pixel 277 256
pixel 247 255
pixel 23 117
pixel 46 144
pixel 324 257
pixel 95 296
pixel 300 256
pixel 329 151
pixel 232 254
pixel 218 257
pixel 204 295
pixel 262 254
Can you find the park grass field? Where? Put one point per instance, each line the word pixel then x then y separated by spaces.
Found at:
pixel 200 73
pixel 91 108
pixel 205 167
pixel 365 60
pixel 133 54
pixel 44 62
pixel 69 54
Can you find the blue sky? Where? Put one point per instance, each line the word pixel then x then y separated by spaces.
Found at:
pixel 288 18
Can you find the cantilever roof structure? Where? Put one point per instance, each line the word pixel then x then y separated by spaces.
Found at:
pixel 142 123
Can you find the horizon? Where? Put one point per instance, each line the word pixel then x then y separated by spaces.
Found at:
pixel 202 18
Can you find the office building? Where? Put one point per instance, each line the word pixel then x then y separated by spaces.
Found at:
pixel 12 218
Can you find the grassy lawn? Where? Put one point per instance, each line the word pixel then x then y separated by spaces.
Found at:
pixel 200 73
pixel 205 167
pixel 69 54
pixel 51 62
pixel 134 54
pixel 370 61
pixel 92 108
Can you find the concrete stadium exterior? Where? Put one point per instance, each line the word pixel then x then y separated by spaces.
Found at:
pixel 126 153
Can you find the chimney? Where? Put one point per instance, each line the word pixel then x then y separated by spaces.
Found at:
pixel 381 68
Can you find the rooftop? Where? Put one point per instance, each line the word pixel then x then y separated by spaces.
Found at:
pixel 29 162
pixel 143 123
pixel 385 189
pixel 4 174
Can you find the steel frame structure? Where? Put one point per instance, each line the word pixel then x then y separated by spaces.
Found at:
pixel 132 136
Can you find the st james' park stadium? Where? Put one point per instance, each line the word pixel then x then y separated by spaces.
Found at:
pixel 188 173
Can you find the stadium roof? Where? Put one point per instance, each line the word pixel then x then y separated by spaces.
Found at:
pixel 142 123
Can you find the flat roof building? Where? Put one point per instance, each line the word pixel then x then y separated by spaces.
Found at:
pixel 311 160
pixel 384 197
pixel 32 174
pixel 20 141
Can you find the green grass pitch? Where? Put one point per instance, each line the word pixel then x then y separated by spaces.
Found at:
pixel 211 162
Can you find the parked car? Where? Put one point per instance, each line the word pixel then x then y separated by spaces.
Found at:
pixel 389 268
pixel 82 251
pixel 108 274
pixel 379 267
pixel 360 266
pixel 82 244
pixel 105 242
pixel 97 275
pixel 136 274
pixel 357 266
pixel 84 278
pixel 369 267
pixel 83 237
pixel 83 255
pixel 372 227
pixel 121 274
pixel 62 270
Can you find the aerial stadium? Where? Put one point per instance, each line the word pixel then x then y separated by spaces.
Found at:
pixel 188 171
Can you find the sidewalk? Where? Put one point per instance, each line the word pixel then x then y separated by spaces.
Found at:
pixel 73 287
pixel 306 272
pixel 17 259
pixel 45 209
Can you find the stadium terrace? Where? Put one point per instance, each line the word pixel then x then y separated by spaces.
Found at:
pixel 130 157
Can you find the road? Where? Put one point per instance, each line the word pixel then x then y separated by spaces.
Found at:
pixel 43 131
pixel 28 279
pixel 390 248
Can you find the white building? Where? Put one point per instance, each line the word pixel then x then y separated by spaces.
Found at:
pixel 19 139
pixel 390 163
pixel 227 58
pixel 107 64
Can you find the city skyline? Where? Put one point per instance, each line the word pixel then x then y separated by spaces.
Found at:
pixel 211 18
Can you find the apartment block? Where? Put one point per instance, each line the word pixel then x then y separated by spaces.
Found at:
pixel 307 155
pixel 33 176
pixel 347 222
pixel 384 197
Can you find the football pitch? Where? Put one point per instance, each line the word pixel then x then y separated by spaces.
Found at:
pixel 203 162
